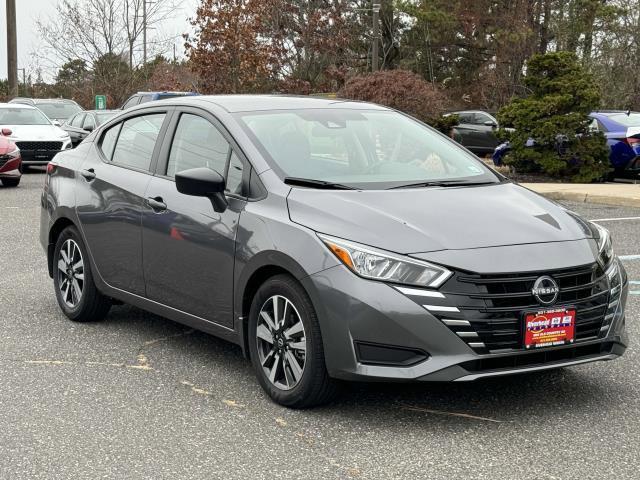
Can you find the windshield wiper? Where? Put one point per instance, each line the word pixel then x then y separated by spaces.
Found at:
pixel 442 183
pixel 310 182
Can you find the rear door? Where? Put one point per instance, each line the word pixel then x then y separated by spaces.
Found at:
pixel 110 198
pixel 188 247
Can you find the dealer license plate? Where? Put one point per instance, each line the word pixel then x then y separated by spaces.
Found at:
pixel 549 328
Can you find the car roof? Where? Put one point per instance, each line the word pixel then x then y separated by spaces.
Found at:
pixel 256 103
pixel 44 100
pixel 18 105
pixel 100 111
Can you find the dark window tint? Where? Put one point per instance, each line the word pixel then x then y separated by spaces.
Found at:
pixel 131 102
pixel 137 140
pixel 197 143
pixel 481 118
pixel 234 177
pixel 109 141
pixel 465 118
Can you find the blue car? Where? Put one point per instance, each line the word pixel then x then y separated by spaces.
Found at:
pixel 143 97
pixel 622 130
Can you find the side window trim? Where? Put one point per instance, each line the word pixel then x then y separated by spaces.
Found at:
pixel 168 112
pixel 163 157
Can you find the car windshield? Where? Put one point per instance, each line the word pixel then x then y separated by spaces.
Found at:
pixel 365 149
pixel 58 110
pixel 22 116
pixel 104 117
pixel 631 120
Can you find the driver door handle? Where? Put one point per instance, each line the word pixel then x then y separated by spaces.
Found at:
pixel 157 204
pixel 89 174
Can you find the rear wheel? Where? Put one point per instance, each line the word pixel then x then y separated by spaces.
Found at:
pixel 286 345
pixel 76 292
pixel 10 182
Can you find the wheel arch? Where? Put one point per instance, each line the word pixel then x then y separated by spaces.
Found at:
pixel 54 232
pixel 262 267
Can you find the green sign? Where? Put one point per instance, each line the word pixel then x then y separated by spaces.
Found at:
pixel 101 102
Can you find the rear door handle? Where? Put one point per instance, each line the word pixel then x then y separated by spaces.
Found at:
pixel 88 174
pixel 157 204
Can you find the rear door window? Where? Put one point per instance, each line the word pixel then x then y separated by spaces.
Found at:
pixel 77 120
pixel 137 141
pixel 131 102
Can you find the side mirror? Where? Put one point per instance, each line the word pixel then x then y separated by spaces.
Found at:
pixel 7 132
pixel 203 182
pixel 489 123
pixel 88 128
pixel 56 123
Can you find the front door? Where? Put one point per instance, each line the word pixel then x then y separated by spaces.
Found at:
pixel 188 248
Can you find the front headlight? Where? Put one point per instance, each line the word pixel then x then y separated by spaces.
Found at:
pixel 14 154
pixel 605 246
pixel 374 264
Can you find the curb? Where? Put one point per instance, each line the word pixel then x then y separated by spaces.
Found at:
pixel 588 198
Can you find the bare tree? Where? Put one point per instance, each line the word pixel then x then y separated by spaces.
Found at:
pixel 90 29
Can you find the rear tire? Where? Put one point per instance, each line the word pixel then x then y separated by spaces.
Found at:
pixel 76 292
pixel 10 182
pixel 287 354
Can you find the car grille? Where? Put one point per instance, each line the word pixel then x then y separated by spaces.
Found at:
pixel 490 307
pixel 39 145
pixel 4 159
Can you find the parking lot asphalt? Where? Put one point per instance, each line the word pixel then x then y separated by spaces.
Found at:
pixel 137 396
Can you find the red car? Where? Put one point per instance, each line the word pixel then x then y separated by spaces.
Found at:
pixel 10 160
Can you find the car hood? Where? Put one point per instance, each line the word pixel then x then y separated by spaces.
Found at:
pixel 434 219
pixel 36 132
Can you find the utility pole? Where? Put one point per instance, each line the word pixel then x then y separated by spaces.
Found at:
pixel 376 30
pixel 12 49
pixel 144 32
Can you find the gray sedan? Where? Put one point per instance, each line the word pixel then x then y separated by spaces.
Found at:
pixel 330 240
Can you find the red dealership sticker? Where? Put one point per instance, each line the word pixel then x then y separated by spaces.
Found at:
pixel 549 328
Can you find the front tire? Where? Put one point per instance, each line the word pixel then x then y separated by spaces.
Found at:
pixel 285 345
pixel 75 289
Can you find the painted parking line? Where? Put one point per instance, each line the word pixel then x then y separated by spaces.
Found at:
pixel 634 292
pixel 615 219
pixel 629 257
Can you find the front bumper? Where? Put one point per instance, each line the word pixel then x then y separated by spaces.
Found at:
pixel 355 312
pixel 41 152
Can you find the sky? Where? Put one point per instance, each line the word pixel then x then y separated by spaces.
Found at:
pixel 29 11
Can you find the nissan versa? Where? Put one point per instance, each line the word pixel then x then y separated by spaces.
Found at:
pixel 332 240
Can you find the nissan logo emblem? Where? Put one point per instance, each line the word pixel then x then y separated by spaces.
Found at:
pixel 545 290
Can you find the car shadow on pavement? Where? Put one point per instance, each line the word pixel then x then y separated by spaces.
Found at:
pixel 213 363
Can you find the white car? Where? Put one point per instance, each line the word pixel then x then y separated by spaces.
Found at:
pixel 38 139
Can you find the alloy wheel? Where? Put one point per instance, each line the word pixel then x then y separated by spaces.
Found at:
pixel 281 342
pixel 70 273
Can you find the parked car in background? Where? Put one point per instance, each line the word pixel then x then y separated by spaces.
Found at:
pixel 10 161
pixel 143 97
pixel 38 139
pixel 296 227
pixel 476 131
pixel 56 109
pixel 85 122
pixel 622 130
